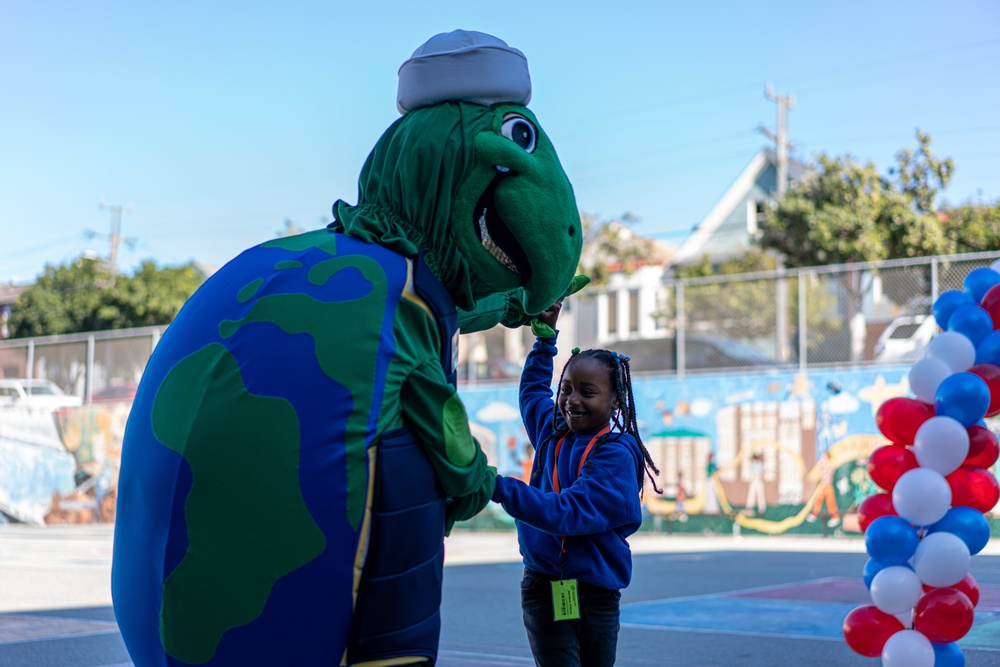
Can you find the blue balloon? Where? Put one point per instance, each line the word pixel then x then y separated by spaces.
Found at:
pixel 972 322
pixel 946 304
pixel 965 397
pixel 872 567
pixel 966 523
pixel 948 655
pixel 988 349
pixel 891 540
pixel 979 281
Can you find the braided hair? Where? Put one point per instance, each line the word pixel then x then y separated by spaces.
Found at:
pixel 623 419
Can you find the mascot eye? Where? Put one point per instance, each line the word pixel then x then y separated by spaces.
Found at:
pixel 519 130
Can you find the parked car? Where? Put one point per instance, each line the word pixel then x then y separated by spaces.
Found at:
pixel 116 391
pixel 491 370
pixel 701 352
pixel 23 392
pixel 906 338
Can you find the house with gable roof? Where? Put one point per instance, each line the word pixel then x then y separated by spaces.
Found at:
pixel 728 231
pixel 629 309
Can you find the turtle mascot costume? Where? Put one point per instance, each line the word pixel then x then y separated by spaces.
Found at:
pixel 297 451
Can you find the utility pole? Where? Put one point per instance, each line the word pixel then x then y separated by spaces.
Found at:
pixel 114 236
pixel 782 145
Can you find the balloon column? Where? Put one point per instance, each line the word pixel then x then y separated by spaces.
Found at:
pixel 921 532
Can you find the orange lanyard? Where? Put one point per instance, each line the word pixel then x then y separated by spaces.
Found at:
pixel 583 458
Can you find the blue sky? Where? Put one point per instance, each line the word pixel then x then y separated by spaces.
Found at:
pixel 218 120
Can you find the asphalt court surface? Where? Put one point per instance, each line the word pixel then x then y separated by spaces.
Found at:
pixel 703 607
pixel 811 610
pixel 706 609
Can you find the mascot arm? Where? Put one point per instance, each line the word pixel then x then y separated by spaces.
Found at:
pixel 434 412
pixel 500 308
pixel 505 308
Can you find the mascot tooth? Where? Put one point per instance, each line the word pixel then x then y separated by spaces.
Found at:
pixel 297 450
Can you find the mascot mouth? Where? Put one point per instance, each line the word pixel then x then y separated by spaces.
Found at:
pixel 494 234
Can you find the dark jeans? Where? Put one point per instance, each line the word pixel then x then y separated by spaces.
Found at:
pixel 590 641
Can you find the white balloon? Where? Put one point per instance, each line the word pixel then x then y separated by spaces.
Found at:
pixel 908 648
pixel 921 496
pixel 926 375
pixel 996 266
pixel 906 618
pixel 941 559
pixel 941 444
pixel 896 590
pixel 954 349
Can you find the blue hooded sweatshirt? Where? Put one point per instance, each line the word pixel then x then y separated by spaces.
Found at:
pixel 595 511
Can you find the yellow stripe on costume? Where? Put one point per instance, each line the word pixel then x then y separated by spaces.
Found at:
pixel 363 539
pixel 411 295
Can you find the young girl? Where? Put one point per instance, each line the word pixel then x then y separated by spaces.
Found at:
pixel 582 501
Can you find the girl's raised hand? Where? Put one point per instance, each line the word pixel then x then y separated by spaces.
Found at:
pixel 544 325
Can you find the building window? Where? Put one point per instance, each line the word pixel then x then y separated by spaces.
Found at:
pixel 612 313
pixel 756 210
pixel 633 311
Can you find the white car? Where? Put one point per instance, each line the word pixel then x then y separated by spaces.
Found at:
pixel 22 392
pixel 906 338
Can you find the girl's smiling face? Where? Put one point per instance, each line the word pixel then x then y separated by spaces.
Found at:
pixel 587 397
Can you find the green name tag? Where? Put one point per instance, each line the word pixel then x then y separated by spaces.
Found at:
pixel 565 601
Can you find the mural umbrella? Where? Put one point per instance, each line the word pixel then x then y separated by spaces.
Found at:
pixel 921 533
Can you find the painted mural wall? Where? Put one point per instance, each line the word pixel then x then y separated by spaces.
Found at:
pixel 749 446
pixel 61 467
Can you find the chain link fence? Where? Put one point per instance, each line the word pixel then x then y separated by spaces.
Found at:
pixel 854 314
pixel 104 365
pixel 851 314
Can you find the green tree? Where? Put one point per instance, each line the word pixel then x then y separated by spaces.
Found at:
pixel 843 211
pixel 79 297
pixel 972 227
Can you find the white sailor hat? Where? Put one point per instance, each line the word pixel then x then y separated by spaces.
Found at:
pixel 463 65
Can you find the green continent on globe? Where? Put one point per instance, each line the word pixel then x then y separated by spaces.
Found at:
pixel 337 326
pixel 234 442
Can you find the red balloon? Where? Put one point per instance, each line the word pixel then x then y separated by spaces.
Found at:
pixel 984 448
pixel 991 375
pixel 873 507
pixel 899 418
pixel 991 304
pixel 943 615
pixel 887 464
pixel 974 487
pixel 868 628
pixel 967 585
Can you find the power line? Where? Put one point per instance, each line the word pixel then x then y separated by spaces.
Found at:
pixel 44 246
pixel 868 64
pixel 807 77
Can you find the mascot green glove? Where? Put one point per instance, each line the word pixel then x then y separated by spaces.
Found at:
pixel 297 448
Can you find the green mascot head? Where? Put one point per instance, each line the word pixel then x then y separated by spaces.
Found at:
pixel 468 177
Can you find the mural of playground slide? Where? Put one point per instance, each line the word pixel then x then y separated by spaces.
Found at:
pixel 61 467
